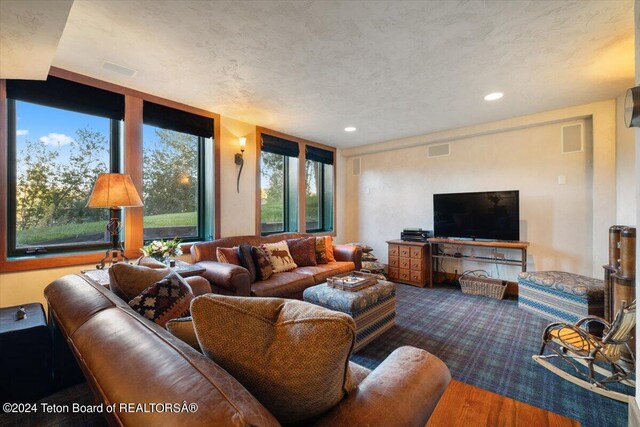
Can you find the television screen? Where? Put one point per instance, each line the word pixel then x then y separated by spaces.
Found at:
pixel 492 215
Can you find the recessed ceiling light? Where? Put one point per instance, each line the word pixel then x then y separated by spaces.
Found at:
pixel 350 129
pixel 494 96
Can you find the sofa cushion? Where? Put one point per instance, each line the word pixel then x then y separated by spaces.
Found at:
pixel 246 260
pixel 303 251
pixel 165 300
pixel 291 355
pixel 322 271
pixel 262 263
pixel 279 256
pixel 328 240
pixel 128 280
pixel 182 328
pixel 282 284
pixel 228 255
pixel 150 262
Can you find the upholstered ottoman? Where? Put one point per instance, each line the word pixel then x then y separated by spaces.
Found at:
pixel 373 308
pixel 560 296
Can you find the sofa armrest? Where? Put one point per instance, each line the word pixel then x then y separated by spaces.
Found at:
pixel 403 391
pixel 199 285
pixel 233 279
pixel 348 253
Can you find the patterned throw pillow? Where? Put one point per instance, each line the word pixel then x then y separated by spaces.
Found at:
pixel 291 355
pixel 246 260
pixel 228 255
pixel 321 250
pixel 128 280
pixel 279 256
pixel 303 251
pixel 328 240
pixel 262 263
pixel 168 299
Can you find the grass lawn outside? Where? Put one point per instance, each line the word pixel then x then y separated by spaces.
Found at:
pixel 93 231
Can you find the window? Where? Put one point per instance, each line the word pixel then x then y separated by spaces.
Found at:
pixel 319 197
pixel 278 185
pixel 319 189
pixel 175 145
pixel 61 136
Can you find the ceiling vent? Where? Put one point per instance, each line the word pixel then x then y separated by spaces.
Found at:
pixel 110 66
pixel 572 138
pixel 355 166
pixel 439 150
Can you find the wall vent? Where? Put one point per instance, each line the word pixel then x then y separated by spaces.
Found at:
pixel 439 150
pixel 355 166
pixel 572 138
pixel 120 69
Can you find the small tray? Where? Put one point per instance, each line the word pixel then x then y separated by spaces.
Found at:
pixel 352 282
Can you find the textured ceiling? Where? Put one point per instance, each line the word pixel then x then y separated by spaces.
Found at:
pixel 392 69
pixel 29 34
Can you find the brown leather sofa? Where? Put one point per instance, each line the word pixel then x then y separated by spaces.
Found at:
pixel 229 279
pixel 136 365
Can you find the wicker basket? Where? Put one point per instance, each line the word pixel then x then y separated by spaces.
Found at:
pixel 485 286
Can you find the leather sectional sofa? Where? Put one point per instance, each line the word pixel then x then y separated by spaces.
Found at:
pixel 136 365
pixel 230 279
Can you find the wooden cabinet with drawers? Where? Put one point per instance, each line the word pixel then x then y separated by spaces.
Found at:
pixel 409 262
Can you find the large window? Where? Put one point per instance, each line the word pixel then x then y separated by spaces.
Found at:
pixel 280 190
pixel 318 190
pixel 174 146
pixel 57 148
pixel 278 185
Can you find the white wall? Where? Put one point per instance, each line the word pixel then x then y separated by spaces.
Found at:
pixel 567 225
pixel 396 190
pixel 625 168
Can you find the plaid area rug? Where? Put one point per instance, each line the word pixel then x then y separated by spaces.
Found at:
pixel 488 343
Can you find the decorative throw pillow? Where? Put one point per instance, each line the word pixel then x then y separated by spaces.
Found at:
pixel 321 250
pixel 128 280
pixel 150 262
pixel 182 328
pixel 329 245
pixel 246 260
pixel 303 251
pixel 165 300
pixel 291 355
pixel 262 263
pixel 279 256
pixel 228 255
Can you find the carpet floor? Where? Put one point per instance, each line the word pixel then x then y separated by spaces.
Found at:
pixel 488 343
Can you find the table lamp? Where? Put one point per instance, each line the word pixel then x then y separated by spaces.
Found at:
pixel 114 191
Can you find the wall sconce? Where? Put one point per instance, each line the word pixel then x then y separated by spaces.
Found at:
pixel 239 160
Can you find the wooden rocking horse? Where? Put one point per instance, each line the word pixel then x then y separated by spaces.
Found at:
pixel 573 343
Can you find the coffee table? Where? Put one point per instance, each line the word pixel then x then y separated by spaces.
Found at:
pixel 464 405
pixel 372 308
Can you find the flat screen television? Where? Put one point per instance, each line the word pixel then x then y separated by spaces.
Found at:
pixel 490 215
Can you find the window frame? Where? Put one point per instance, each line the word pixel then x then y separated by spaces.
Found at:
pixel 301 219
pixel 12 190
pixel 131 155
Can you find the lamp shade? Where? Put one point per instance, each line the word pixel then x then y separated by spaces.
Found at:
pixel 114 190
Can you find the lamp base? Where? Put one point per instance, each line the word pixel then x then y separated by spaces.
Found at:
pixel 115 253
pixel 112 256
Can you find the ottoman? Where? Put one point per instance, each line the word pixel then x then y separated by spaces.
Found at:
pixel 372 308
pixel 560 296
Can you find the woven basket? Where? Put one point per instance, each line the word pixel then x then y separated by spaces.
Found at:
pixel 485 286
